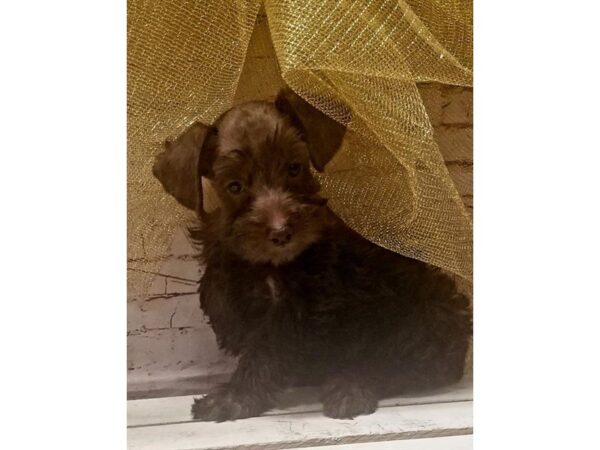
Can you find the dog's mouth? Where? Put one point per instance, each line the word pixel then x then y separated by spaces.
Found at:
pixel 280 236
pixel 277 254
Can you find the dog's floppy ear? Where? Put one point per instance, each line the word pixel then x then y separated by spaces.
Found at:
pixel 185 161
pixel 323 134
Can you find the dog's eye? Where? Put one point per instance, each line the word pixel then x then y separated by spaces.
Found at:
pixel 294 169
pixel 235 187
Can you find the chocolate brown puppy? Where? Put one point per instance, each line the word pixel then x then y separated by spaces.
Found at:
pixel 288 288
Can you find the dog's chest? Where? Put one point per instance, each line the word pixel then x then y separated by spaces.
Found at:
pixel 273 289
pixel 276 291
pixel 260 291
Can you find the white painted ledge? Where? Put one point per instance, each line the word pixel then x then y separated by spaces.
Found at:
pixel 462 442
pixel 427 421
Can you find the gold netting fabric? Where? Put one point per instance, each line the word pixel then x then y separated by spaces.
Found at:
pixel 388 181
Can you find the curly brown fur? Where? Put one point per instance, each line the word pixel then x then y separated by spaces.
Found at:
pixel 296 294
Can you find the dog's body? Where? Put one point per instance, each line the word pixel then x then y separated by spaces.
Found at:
pixel 291 290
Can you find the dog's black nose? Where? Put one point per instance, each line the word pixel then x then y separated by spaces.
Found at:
pixel 280 236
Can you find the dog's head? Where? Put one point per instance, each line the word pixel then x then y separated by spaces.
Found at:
pixel 257 157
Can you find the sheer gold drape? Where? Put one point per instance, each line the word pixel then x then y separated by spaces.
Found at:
pixel 388 181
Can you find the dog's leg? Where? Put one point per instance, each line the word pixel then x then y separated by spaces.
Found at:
pixel 249 393
pixel 348 396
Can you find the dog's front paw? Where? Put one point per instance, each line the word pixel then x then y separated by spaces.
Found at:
pixel 346 401
pixel 227 403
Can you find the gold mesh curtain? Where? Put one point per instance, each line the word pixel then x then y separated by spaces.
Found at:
pixel 388 181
